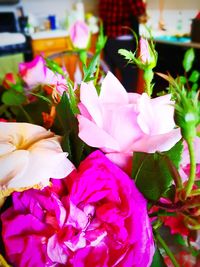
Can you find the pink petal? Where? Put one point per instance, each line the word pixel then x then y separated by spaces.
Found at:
pixel 92 256
pixel 33 72
pixel 95 136
pixel 55 251
pixel 162 142
pixel 123 160
pixel 79 34
pixel 152 112
pixel 112 91
pixel 113 121
pixel 89 98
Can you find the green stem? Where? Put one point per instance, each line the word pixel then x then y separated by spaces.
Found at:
pixel 148 77
pixel 174 172
pixel 26 114
pixel 167 249
pixel 192 176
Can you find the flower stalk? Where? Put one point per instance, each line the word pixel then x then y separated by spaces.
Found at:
pixel 166 248
pixel 192 175
pixel 148 77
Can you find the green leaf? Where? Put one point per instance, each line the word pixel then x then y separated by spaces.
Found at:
pixel 52 65
pixel 65 114
pixel 13 98
pixel 65 144
pixel 195 87
pixel 181 79
pixel 175 153
pixel 170 193
pixel 18 87
pixel 138 158
pixel 151 174
pixel 71 142
pixel 34 111
pixel 179 239
pixel 188 59
pixel 3 109
pixel 158 260
pixel 83 56
pixel 128 55
pixel 14 110
pixel 194 76
pixel 101 40
pixel 91 69
pixel 77 148
pixel 73 97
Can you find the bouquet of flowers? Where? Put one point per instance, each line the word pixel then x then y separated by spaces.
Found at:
pixel 91 175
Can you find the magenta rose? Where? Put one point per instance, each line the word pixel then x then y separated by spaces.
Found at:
pixel 95 217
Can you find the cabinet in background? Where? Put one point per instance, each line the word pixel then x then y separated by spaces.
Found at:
pixel 49 46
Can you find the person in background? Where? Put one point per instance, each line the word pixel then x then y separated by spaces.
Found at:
pixel 118 17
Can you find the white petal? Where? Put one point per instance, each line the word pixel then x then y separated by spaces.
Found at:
pixel 12 166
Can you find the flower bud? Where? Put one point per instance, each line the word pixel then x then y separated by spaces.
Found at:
pixel 147 54
pixel 187 112
pixel 79 34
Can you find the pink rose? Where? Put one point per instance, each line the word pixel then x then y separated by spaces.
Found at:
pixel 95 217
pixel 35 73
pixel 79 34
pixel 119 123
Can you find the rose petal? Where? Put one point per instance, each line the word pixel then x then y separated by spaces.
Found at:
pixel 162 142
pixel 112 91
pixel 89 98
pixel 95 136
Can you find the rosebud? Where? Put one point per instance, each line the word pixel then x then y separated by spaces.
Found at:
pixel 187 113
pixel 79 34
pixel 147 54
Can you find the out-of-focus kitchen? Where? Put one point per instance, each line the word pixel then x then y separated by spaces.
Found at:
pixel 32 27
pixel 29 28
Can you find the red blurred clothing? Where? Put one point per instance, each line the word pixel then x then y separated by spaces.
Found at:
pixel 116 14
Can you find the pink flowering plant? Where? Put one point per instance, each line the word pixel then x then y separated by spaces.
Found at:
pixel 91 175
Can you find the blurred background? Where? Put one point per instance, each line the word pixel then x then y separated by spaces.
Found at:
pixel 31 27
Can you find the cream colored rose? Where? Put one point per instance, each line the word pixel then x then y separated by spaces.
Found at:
pixel 29 156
